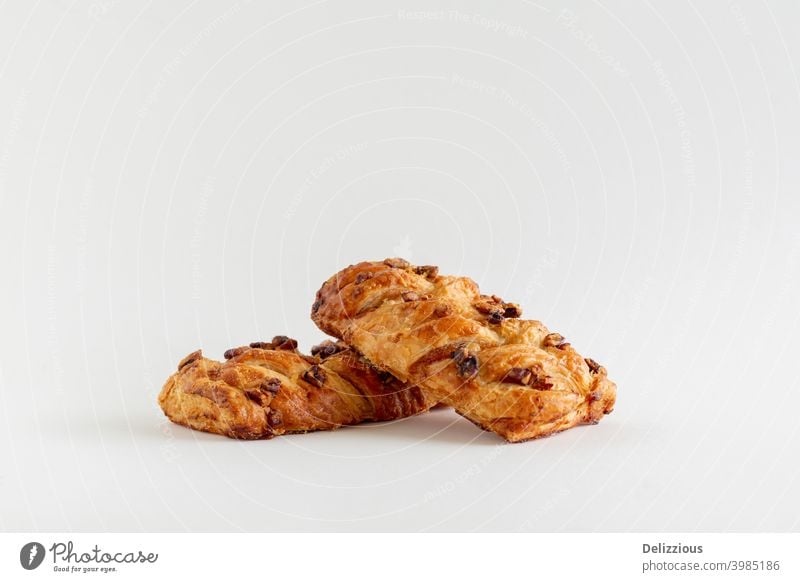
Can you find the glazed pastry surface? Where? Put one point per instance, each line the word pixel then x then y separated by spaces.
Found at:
pixel 465 349
pixel 268 389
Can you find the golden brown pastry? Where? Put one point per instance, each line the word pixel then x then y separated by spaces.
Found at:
pixel 268 389
pixel 468 350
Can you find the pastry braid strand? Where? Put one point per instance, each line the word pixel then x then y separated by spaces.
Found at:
pixel 464 349
pixel 268 389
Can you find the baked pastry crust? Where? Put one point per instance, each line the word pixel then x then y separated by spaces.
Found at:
pixel 268 389
pixel 468 350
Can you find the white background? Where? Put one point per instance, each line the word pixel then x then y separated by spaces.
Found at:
pixel 186 174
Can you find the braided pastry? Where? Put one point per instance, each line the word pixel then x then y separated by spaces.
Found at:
pixel 268 389
pixel 467 350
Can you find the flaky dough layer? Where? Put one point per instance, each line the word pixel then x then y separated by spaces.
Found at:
pixel 464 349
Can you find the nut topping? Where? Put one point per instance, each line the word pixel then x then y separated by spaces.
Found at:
pixel 554 340
pixel 271 385
pixel 533 377
pixel 593 366
pixel 428 271
pixel 282 342
pixel 261 345
pixel 256 396
pixel 466 362
pixel 443 310
pixel 275 418
pixel 233 352
pixel 492 303
pixel 327 349
pixel 315 376
pixel 496 317
pixel 363 277
pixel 193 357
pixel 540 383
pixel 486 304
pixel 397 263
pixel 410 296
pixel 519 376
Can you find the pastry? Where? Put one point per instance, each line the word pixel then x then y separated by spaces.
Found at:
pixel 269 388
pixel 470 351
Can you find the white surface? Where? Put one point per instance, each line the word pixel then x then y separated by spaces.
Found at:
pixel 182 175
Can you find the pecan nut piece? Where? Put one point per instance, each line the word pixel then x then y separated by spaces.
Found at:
pixel 427 271
pixel 271 385
pixel 397 263
pixel 594 367
pixel 519 376
pixel 466 362
pixel 282 342
pixel 233 352
pixel 193 357
pixel 326 349
pixel 315 376
pixel 554 340
pixel 361 277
